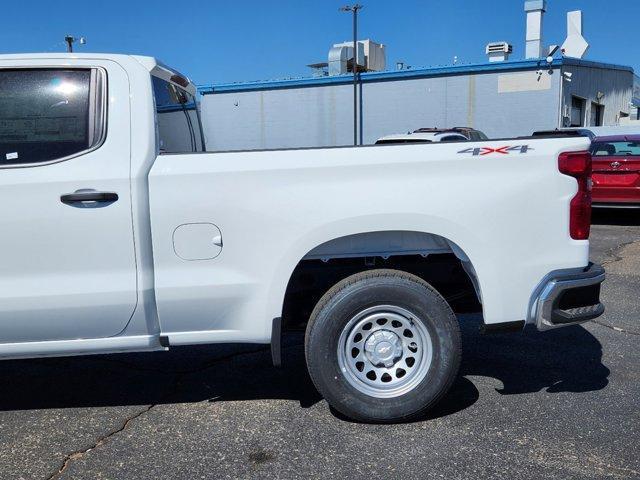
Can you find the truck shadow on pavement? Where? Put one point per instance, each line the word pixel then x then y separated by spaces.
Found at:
pixel 568 359
pixel 564 360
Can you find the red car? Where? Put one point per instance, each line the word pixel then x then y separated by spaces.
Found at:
pixel 616 170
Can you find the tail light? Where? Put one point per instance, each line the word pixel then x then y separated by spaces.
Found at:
pixel 578 166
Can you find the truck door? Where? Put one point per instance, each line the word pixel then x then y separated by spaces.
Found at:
pixel 67 260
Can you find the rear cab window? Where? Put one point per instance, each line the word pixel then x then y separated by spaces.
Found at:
pixel 179 128
pixel 454 138
pixel 49 115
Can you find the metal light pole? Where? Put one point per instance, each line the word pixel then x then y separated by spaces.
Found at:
pixel 354 9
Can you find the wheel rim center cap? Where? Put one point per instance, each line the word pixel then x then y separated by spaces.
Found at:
pixel 383 348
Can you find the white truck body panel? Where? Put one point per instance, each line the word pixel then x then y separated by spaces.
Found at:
pixel 274 207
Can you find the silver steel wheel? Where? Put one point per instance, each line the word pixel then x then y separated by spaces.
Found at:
pixel 384 351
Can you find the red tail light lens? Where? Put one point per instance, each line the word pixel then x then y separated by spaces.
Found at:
pixel 578 166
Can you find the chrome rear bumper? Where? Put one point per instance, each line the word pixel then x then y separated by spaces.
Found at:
pixel 568 297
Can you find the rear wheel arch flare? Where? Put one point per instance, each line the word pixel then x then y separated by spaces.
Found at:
pixel 384 244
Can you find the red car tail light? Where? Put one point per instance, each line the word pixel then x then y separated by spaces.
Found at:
pixel 578 166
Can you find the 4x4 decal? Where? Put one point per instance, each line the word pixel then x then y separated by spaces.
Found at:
pixel 500 150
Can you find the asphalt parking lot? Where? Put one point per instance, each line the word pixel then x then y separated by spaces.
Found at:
pixel 559 404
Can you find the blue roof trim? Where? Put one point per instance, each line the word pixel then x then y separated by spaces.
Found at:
pixel 401 75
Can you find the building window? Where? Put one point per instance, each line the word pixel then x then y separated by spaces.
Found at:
pixel 597 114
pixel 577 111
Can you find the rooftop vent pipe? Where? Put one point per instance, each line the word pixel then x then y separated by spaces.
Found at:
pixel 575 45
pixel 535 12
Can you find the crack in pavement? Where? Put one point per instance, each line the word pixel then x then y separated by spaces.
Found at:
pixel 616 255
pixel 613 252
pixel 616 329
pixel 78 454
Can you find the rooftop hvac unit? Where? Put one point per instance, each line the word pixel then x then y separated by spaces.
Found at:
pixel 341 58
pixel 371 57
pixel 499 51
pixel 376 56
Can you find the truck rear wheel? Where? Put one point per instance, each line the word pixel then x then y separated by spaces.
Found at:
pixel 382 346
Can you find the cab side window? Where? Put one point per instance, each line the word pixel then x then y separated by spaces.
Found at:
pixel 178 121
pixel 48 114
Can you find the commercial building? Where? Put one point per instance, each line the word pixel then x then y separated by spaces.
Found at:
pixel 503 98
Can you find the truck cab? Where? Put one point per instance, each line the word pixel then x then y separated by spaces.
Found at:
pixel 74 166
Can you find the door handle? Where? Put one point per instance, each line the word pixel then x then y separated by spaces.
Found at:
pixel 82 196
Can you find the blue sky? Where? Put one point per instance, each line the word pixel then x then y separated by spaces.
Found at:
pixel 219 41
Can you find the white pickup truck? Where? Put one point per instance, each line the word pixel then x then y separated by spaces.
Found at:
pixel 120 234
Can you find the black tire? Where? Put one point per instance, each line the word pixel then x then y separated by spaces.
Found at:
pixel 356 294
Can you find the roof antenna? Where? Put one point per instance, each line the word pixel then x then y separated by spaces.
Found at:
pixel 70 39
